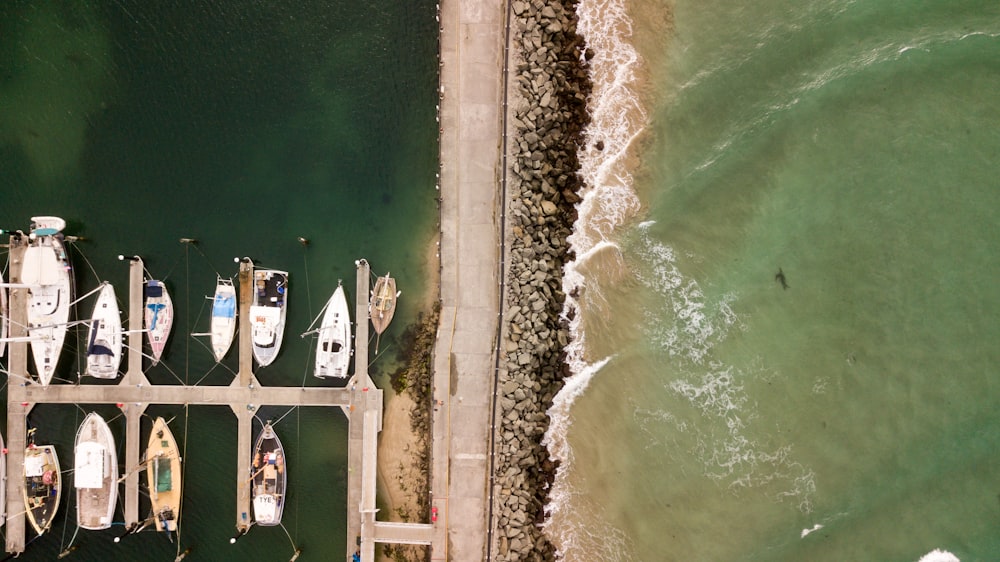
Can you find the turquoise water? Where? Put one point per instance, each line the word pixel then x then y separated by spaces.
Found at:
pixel 852 416
pixel 245 126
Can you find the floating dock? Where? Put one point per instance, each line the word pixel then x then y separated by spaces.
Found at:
pixel 360 400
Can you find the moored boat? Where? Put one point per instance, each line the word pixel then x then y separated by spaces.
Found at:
pixel 42 484
pixel 267 313
pixel 269 478
pixel 47 274
pixel 163 476
pixel 104 341
pixel 333 349
pixel 223 318
pixel 159 317
pixel 95 474
pixel 383 303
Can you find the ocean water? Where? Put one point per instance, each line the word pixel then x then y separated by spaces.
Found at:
pixel 715 415
pixel 244 126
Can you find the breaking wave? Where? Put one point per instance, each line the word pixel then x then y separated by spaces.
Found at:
pixel 608 202
pixel 687 325
pixel 937 555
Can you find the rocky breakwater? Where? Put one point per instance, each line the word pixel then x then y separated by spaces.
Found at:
pixel 548 94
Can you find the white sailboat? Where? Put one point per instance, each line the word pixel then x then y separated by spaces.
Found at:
pixel 159 317
pixel 95 474
pixel 333 349
pixel 223 318
pixel 267 313
pixel 47 274
pixel 104 340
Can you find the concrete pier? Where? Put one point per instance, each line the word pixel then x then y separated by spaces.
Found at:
pixel 17 357
pixel 134 378
pixel 365 413
pixel 361 401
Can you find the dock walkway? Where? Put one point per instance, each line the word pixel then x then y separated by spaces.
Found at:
pixel 361 401
pixel 472 106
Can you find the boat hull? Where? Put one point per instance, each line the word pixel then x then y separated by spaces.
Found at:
pixel 267 314
pixel 270 478
pixel 333 349
pixel 104 347
pixel 42 486
pixel 159 317
pixel 46 269
pixel 223 329
pixel 383 304
pixel 95 474
pixel 163 476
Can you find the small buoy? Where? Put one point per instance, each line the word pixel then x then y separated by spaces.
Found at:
pixel 118 539
pixel 120 405
pixel 24 403
pixel 232 540
pixel 5 450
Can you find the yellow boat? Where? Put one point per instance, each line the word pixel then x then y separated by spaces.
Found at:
pixel 163 476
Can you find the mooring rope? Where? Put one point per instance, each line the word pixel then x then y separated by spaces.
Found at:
pixel 184 464
pixel 194 243
pixel 284 415
pixel 305 371
pixel 62 540
pixel 87 261
pixel 167 367
pixel 298 457
pixel 305 265
pixel 289 537
pixel 172 267
pixel 187 314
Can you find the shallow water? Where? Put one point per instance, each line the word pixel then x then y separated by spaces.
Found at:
pixel 851 147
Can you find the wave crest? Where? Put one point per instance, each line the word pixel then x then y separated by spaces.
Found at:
pixel 608 202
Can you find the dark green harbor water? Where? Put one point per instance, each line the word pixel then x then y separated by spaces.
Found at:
pixel 244 125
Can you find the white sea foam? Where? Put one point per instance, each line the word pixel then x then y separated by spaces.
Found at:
pixel 559 412
pixel 608 202
pixel 937 555
pixel 688 326
pixel 813 529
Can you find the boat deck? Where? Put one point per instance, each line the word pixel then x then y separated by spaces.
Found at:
pixel 270 289
pixel 361 401
pixel 92 505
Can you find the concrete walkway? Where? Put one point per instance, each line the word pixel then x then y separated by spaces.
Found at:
pixel 472 35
